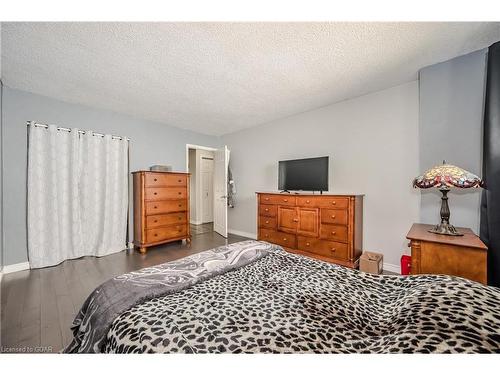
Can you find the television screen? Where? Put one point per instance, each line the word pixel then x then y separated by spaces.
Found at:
pixel 304 174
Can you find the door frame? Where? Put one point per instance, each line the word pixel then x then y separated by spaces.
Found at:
pixel 190 146
pixel 196 147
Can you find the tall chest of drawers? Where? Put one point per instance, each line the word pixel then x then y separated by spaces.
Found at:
pixel 161 208
pixel 326 227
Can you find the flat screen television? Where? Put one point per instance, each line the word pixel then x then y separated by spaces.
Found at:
pixel 303 174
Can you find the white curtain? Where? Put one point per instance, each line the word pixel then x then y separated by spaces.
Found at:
pixel 77 195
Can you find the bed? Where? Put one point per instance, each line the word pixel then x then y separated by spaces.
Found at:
pixel 254 297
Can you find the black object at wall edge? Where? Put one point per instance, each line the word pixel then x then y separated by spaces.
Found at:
pixel 490 200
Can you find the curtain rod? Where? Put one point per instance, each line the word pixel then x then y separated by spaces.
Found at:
pixel 37 124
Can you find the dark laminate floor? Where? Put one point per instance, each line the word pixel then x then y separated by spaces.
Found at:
pixel 38 306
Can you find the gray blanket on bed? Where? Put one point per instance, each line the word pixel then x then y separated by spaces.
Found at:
pixel 123 292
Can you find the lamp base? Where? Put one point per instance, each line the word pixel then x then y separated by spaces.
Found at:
pixel 446 229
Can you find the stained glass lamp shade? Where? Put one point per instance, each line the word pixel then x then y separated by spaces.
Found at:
pixel 444 177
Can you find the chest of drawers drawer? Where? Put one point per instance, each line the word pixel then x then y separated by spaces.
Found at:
pixel 159 180
pixel 283 200
pixel 333 232
pixel 333 202
pixel 164 233
pixel 268 222
pixel 330 216
pixel 325 248
pixel 280 238
pixel 154 221
pixel 308 201
pixel 163 207
pixel 165 193
pixel 267 210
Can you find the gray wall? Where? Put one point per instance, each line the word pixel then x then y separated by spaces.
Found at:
pixel 372 143
pixel 151 143
pixel 451 121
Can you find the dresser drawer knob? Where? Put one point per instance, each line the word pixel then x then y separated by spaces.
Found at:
pixel 285 200
pixel 155 180
pixel 180 217
pixel 334 249
pixel 156 221
pixel 308 244
pixel 156 234
pixel 179 180
pixel 296 220
pixel 267 221
pixel 308 201
pixel 267 209
pixel 180 192
pixel 180 205
pixel 266 235
pixel 155 207
pixel 155 193
pixel 334 203
pixel 266 199
pixel 334 233
pixel 284 239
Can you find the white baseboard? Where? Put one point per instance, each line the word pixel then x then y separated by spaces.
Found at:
pixel 15 267
pixel 243 234
pixel 194 222
pixel 392 268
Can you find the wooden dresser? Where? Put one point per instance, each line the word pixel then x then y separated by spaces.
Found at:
pixel 431 253
pixel 326 227
pixel 161 208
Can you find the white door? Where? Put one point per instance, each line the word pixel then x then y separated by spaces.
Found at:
pixel 220 190
pixel 207 189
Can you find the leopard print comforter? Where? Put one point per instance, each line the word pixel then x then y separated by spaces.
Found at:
pixel 285 303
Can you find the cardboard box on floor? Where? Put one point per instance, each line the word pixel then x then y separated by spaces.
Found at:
pixel 371 262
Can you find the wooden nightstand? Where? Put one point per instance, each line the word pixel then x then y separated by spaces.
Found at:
pixel 431 253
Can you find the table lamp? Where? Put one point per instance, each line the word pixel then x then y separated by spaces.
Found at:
pixel 444 177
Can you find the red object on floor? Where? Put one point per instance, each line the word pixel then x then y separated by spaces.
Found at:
pixel 405 265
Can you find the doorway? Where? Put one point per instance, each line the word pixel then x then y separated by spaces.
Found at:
pixel 200 164
pixel 207 189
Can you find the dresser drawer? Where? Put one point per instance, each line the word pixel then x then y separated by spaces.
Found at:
pixel 154 221
pixel 267 222
pixel 165 233
pixel 160 179
pixel 280 238
pixel 321 247
pixel 333 232
pixel 283 200
pixel 308 201
pixel 165 193
pixel 163 207
pixel 334 216
pixel 267 210
pixel 333 202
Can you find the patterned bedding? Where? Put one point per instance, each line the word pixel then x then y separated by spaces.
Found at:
pixel 278 302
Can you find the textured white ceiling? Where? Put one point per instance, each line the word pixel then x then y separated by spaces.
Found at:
pixel 217 78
